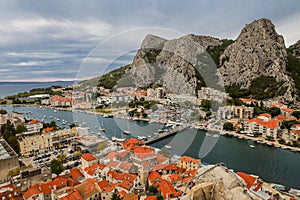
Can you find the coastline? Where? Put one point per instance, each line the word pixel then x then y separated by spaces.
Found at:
pixel 115 114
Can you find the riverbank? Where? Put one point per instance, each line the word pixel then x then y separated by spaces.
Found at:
pixel 118 113
pixel 261 140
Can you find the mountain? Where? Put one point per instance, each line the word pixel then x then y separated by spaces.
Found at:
pixel 257 64
pixel 172 63
pixel 258 56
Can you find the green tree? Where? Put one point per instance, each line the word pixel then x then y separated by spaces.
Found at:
pixel 3 112
pixel 115 196
pixel 153 190
pixel 13 142
pixel 21 128
pixel 228 126
pixel 206 104
pixel 160 197
pixel 61 157
pixel 296 114
pixel 72 125
pixel 144 115
pixel 56 166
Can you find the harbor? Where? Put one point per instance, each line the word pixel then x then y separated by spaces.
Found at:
pixel 235 152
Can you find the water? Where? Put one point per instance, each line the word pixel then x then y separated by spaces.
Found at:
pixel 270 163
pixel 10 88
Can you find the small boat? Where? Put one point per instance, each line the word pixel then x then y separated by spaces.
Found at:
pixel 240 137
pixel 252 146
pixel 168 147
pixel 126 132
pixel 55 111
pixel 45 116
pixel 101 129
pixel 216 136
pixel 207 134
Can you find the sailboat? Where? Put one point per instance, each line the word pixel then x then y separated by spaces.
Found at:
pixel 127 132
pixel 101 128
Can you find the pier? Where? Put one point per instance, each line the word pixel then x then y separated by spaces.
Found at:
pixel 166 134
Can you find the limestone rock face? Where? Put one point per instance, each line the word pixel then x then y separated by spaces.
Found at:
pixel 226 185
pixel 295 49
pixel 170 63
pixel 257 51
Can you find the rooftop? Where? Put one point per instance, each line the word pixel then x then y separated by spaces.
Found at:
pixel 6 151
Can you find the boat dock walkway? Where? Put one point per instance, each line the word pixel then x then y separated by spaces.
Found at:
pixel 162 135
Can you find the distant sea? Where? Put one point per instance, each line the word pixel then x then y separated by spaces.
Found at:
pixel 10 88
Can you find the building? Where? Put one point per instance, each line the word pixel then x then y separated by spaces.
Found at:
pixel 188 163
pixel 62 137
pixel 61 101
pixel 8 191
pixel 8 159
pixel 34 126
pixel 287 111
pixel 15 118
pixel 160 93
pixel 88 160
pixel 262 124
pixel 31 143
pixel 212 94
pixel 243 112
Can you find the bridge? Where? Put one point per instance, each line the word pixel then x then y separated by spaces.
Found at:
pixel 166 134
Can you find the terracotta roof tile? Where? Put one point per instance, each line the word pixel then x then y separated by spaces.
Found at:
pixel 75 173
pixel 250 180
pixel 189 159
pixel 88 157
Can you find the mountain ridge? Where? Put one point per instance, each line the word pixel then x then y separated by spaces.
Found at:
pixel 257 55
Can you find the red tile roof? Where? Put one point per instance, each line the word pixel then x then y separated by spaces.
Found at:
pixel 151 198
pixel 103 184
pixel 88 157
pixel 111 155
pixel 273 123
pixel 75 173
pixel 142 149
pixel 47 130
pixel 131 143
pixel 249 180
pixel 34 121
pixel 92 169
pixel 174 177
pixel 189 159
pixel 289 110
pixel 87 188
pixel 280 117
pixel 167 190
pixel 154 176
pixel 72 196
pixel 33 190
pixel 131 197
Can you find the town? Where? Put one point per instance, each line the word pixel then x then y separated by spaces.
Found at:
pixel 40 160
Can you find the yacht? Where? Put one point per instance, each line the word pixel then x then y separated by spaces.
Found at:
pixel 168 147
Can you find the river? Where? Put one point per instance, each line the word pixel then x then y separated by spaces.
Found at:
pixel 269 163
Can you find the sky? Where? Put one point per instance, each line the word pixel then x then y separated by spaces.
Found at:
pixel 77 39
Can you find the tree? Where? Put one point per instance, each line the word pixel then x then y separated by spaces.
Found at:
pixel 228 126
pixel 3 112
pixel 115 196
pixel 21 128
pixel 13 142
pixel 56 166
pixel 296 114
pixel 61 157
pixel 160 197
pixel 153 190
pixel 206 104
pixel 144 115
pixel 72 125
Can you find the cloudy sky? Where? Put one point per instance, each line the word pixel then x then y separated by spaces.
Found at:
pixel 65 40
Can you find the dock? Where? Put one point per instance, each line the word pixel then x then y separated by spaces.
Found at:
pixel 166 134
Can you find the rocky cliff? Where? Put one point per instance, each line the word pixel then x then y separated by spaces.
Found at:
pixel 257 64
pixel 173 64
pixel 258 51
